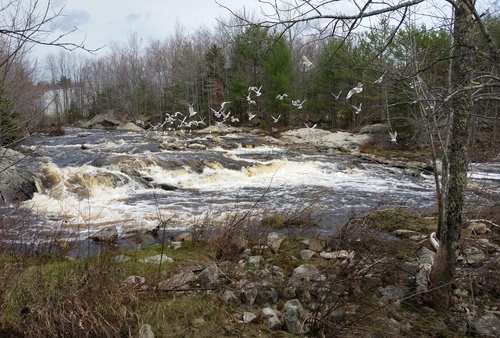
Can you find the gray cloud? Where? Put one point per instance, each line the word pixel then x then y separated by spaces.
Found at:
pixel 131 18
pixel 72 18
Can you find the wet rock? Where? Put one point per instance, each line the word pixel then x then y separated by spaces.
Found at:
pixel 16 184
pixel 129 126
pixel 106 235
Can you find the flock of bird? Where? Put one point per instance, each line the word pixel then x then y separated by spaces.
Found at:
pixel 223 117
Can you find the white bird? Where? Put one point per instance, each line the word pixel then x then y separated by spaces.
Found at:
pixel 249 99
pixel 275 119
pixel 393 136
pixel 357 109
pixel 336 96
pixel 234 119
pixel 434 241
pixel 223 104
pixel 281 96
pixel 306 61
pixel 250 116
pixel 191 110
pixel 255 90
pixel 310 129
pixel 380 79
pixel 356 90
pixel 298 104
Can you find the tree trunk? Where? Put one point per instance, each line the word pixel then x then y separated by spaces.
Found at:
pixel 443 269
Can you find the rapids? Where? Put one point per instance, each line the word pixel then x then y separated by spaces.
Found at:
pixel 92 178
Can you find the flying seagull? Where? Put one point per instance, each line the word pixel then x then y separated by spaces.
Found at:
pixel 356 90
pixel 393 136
pixel 281 96
pixel 250 116
pixel 336 96
pixel 275 119
pixel 310 129
pixel 298 104
pixel 306 61
pixel 379 80
pixel 357 109
pixel 255 90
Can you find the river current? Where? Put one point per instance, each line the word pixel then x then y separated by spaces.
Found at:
pixel 93 178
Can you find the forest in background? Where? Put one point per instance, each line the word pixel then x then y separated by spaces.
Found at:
pixel 405 76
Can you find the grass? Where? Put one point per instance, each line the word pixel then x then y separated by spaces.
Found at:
pixel 55 296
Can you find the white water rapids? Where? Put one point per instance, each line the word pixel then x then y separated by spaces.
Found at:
pixel 124 179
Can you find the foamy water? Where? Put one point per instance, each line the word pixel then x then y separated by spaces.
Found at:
pixel 117 179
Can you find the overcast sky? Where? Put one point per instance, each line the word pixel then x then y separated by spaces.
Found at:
pixel 102 21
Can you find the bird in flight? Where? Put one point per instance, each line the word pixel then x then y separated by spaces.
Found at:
pixel 298 104
pixel 250 116
pixel 255 90
pixel 357 109
pixel 393 136
pixel 281 96
pixel 336 96
pixel 380 79
pixel 356 90
pixel 310 129
pixel 275 119
pixel 191 110
pixel 306 62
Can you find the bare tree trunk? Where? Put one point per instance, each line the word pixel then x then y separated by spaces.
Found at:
pixel 461 106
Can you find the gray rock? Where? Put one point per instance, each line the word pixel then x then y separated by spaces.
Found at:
pixel 273 323
pixel 16 184
pixel 146 331
pixel 177 281
pixel 293 316
pixel 134 281
pixel 391 294
pixel 274 241
pixel 268 312
pixel 229 297
pixel 269 296
pixel 129 127
pixel 316 244
pixel 157 259
pixel 255 260
pixel 426 255
pixel 474 255
pixel 106 235
pixel 306 255
pixel 121 259
pixel 102 121
pixel 487 325
pixel 209 276
pixel 248 317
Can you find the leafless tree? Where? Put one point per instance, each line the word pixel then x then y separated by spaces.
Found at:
pixel 324 17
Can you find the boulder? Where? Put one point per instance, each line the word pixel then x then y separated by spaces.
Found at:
pixel 102 121
pixel 129 126
pixel 17 184
pixel 106 235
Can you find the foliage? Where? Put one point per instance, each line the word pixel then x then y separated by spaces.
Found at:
pixel 10 130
